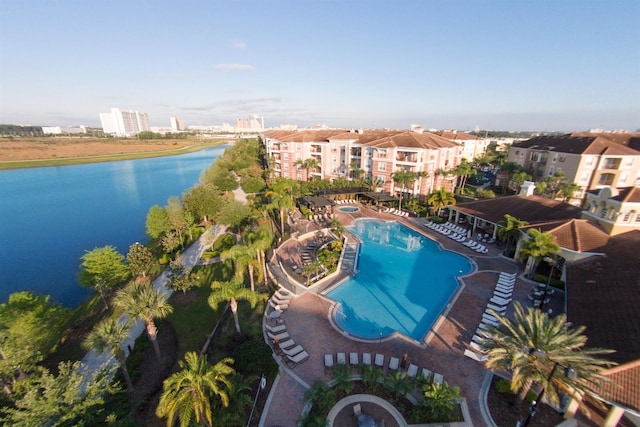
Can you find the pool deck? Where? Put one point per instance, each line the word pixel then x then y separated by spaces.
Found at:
pixel 307 321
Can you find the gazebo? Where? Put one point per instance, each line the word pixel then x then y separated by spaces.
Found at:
pixel 318 204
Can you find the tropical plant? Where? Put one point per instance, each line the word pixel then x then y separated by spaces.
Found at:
pixel 231 291
pixel 187 394
pixel 307 165
pixel 538 246
pixel 282 202
pixel 441 198
pixel 102 269
pixel 321 395
pixel 398 383
pixel 109 335
pixel 245 258
pixel 441 400
pixel 371 376
pixel 509 231
pixel 342 378
pixel 464 170
pixel 140 259
pixel 404 178
pixel 260 239
pixel 143 302
pixel 239 400
pixel 157 222
pixel 513 345
pixel 69 398
pixel 311 269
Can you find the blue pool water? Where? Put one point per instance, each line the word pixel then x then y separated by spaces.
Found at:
pixel 404 282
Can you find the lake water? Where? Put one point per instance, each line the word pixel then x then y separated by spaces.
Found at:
pixel 49 217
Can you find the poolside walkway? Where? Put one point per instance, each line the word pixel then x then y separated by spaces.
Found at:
pixel 308 324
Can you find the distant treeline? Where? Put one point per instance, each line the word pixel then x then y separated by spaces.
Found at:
pixel 19 130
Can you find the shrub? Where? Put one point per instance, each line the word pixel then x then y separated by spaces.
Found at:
pixel 485 194
pixel 221 244
pixel 503 386
pixel 254 358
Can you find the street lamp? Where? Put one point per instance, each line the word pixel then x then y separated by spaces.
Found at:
pixel 569 372
pixel 552 263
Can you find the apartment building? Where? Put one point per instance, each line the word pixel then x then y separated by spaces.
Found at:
pixel 374 155
pixel 616 210
pixel 590 160
pixel 473 146
pixel 124 123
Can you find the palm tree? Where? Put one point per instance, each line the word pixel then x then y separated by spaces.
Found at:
pixel 231 291
pixel 509 231
pixel 320 394
pixel 109 335
pixel 441 198
pixel 244 258
pixel 282 202
pixel 398 383
pixel 239 400
pixel 261 239
pixel 440 399
pixel 144 302
pixel 513 344
pixel 464 170
pixel 539 246
pixel 311 268
pixel 187 394
pixel 405 178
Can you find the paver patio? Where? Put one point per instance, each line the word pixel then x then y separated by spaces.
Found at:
pixel 307 321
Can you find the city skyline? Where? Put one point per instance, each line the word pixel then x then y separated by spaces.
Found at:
pixel 556 66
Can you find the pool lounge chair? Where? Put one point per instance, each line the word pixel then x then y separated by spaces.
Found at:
pixel 280 307
pixel 281 295
pixel 438 378
pixel 477 347
pixel 293 351
pixel 504 295
pixel 287 344
pixel 499 308
pixel 475 356
pixel 341 358
pixel 298 358
pixel 412 371
pixel 275 329
pixel 353 359
pixel 393 363
pixel 366 358
pixel 281 336
pixel 328 361
pixel 500 301
pixel 379 361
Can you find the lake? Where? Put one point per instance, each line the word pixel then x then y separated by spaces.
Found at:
pixel 50 216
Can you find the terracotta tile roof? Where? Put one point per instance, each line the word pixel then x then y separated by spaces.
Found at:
pixel 371 138
pixel 457 136
pixel 578 235
pixel 581 143
pixel 626 388
pixel 631 140
pixel 603 294
pixel 628 195
pixel 534 209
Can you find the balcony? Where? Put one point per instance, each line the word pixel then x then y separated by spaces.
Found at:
pixel 613 164
pixel 407 158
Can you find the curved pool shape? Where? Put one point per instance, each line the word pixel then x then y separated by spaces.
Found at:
pixel 404 282
pixel 348 209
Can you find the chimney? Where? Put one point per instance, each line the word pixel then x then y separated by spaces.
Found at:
pixel 527 188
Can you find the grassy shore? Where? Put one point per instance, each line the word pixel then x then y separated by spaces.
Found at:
pixel 19 164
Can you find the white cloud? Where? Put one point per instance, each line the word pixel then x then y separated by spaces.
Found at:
pixel 238 44
pixel 234 67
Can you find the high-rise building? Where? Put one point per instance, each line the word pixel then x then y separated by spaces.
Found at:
pixel 124 123
pixel 252 124
pixel 177 124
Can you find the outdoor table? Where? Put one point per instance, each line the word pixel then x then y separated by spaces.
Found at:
pixel 366 420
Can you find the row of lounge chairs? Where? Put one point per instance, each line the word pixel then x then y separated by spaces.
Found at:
pixel 292 353
pixel 321 217
pixel 379 361
pixel 280 300
pixel 395 211
pixel 346 202
pixel 502 296
pixel 458 234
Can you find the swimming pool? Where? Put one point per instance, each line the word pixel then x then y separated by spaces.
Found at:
pixel 404 282
pixel 348 209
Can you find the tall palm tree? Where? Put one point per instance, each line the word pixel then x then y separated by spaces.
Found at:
pixel 464 170
pixel 245 258
pixel 441 198
pixel 513 344
pixel 282 202
pixel 509 231
pixel 109 335
pixel 405 178
pixel 261 239
pixel 187 394
pixel 539 246
pixel 142 301
pixel 231 291
pixel 239 400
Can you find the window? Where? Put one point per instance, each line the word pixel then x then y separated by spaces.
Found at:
pixel 589 161
pixel 381 179
pixel 286 165
pixel 334 159
pixel 561 159
pixel 584 177
pixel 298 156
pixel 626 216
pixel 298 147
pixel 382 152
pixel 628 161
pixel 382 166
pixel 553 160
pixel 623 177
pixel 606 179
pixel 611 163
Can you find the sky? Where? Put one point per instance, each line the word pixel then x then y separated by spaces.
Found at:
pixel 544 65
